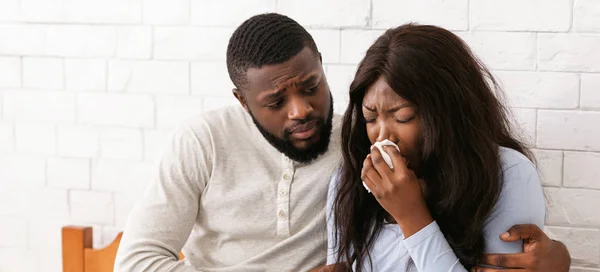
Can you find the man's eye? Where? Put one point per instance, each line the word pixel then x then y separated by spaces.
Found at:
pixel 276 104
pixel 311 90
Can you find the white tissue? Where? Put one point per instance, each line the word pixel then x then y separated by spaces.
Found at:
pixel 385 156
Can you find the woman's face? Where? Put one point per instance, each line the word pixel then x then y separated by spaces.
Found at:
pixel 389 116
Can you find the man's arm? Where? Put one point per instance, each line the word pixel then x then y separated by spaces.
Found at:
pixel 540 253
pixel 161 222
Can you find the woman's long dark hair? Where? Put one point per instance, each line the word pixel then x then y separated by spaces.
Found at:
pixel 463 123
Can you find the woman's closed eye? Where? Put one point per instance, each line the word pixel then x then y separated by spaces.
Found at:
pixel 369 118
pixel 404 119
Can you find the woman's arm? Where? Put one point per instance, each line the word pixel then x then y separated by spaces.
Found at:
pixel 521 202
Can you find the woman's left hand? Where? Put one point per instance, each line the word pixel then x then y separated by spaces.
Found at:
pixel 397 190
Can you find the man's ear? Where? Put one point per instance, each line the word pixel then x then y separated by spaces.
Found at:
pixel 239 95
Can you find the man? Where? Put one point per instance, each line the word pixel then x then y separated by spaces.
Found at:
pixel 246 186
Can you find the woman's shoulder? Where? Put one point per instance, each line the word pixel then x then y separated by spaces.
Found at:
pixel 512 158
pixel 519 173
pixel 515 166
pixel 521 201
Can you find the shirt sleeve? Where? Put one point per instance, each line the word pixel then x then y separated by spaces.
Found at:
pixel 430 251
pixel 331 233
pixel 521 202
pixel 161 222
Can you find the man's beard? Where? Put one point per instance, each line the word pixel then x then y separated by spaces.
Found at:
pixel 286 147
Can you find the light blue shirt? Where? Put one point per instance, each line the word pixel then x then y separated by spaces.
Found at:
pixel 521 201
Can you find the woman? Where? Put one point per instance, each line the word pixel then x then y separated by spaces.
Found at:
pixel 460 178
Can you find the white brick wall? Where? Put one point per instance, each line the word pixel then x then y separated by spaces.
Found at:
pixel 43 73
pixel 12 259
pixel 222 13
pixel 582 242
pixel 210 78
pixel 154 142
pixel 80 40
pixel 9 10
pixel 503 50
pixel 149 77
pixel 134 42
pixel 581 170
pixel 550 164
pixel 120 175
pixel 355 44
pixel 91 90
pixel 26 105
pixel 585 15
pixel 328 42
pixel 331 13
pixel 86 11
pixel 524 123
pixel 530 15
pixel 77 141
pixel 22 171
pixel 171 110
pixel 85 74
pixel 130 110
pixel 541 90
pixel 576 130
pixel 590 91
pixel 92 207
pixel 13 231
pixel 34 138
pixel 166 12
pixel 573 207
pixel 453 15
pixel 6 138
pixel 569 52
pixel 121 143
pixel 185 43
pixel 68 173
pixel 10 69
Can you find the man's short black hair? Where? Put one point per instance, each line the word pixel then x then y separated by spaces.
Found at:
pixel 264 39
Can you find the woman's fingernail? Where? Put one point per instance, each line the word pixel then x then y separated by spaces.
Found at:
pixel 505 235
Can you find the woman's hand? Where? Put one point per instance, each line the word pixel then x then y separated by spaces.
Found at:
pixel 397 190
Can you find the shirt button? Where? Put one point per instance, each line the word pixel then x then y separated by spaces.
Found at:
pixel 287 176
pixel 281 214
pixel 282 193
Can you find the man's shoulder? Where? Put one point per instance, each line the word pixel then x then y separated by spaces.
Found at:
pixel 337 123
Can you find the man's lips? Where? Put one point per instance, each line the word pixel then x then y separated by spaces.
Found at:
pixel 304 131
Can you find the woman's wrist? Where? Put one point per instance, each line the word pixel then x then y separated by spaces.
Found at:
pixel 414 222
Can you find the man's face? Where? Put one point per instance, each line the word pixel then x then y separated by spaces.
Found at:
pixel 291 105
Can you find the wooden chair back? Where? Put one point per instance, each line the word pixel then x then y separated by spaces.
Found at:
pixel 78 254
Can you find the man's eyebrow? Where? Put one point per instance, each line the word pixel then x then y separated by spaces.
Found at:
pixel 311 78
pixel 303 82
pixel 275 94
